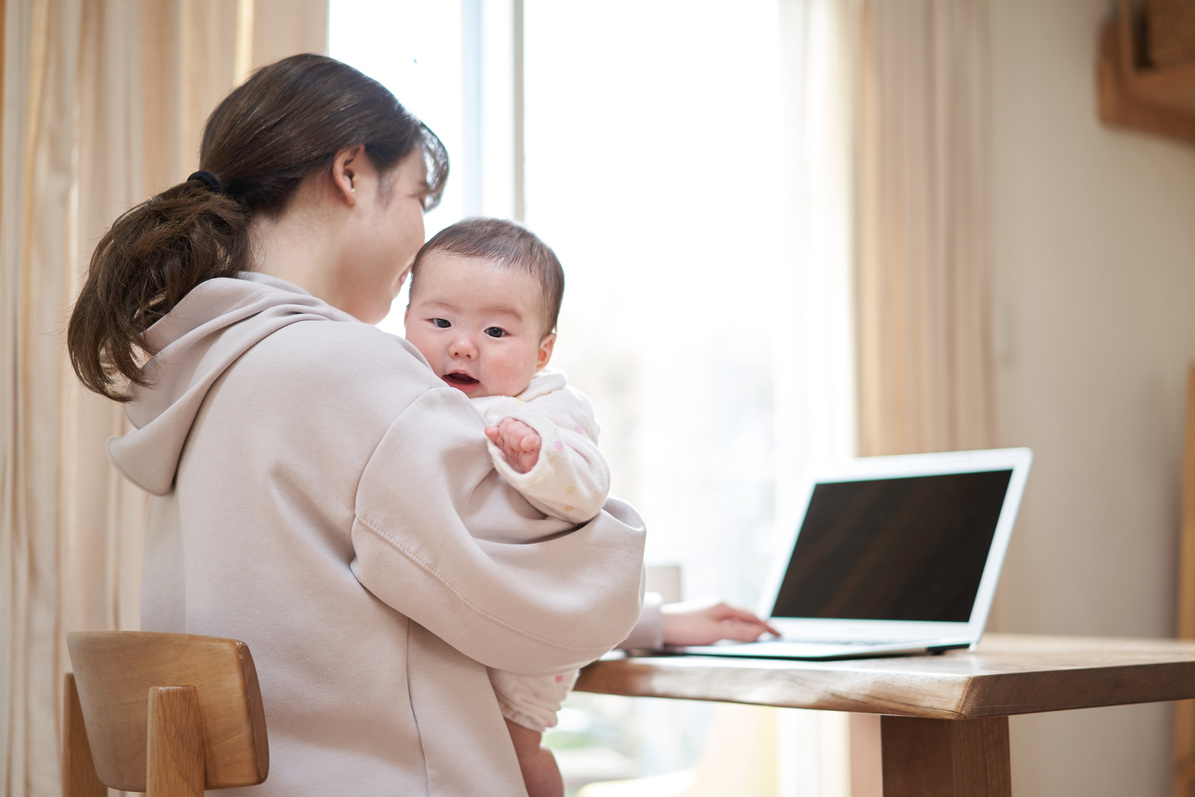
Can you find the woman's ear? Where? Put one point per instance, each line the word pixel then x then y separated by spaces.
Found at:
pixel 347 168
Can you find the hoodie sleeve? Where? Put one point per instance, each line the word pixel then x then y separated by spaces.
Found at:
pixel 442 539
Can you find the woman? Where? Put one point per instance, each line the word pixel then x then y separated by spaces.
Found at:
pixel 316 490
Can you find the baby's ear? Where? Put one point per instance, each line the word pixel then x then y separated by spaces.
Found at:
pixel 545 350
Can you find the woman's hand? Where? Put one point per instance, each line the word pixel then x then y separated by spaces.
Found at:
pixel 705 621
pixel 518 441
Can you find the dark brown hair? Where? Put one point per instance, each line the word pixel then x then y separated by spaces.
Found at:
pixel 284 123
pixel 507 244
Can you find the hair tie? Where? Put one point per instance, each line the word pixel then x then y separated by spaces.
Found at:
pixel 208 179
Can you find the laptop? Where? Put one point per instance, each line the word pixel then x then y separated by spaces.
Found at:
pixel 893 555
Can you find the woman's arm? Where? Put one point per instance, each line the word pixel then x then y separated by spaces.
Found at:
pixel 446 542
pixel 703 621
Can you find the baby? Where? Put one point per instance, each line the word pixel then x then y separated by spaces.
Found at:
pixel 485 296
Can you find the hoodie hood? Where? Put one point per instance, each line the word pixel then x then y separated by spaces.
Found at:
pixel 217 322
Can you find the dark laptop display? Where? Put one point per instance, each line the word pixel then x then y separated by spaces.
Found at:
pixel 894 549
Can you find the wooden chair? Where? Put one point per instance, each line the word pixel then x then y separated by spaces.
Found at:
pixel 164 714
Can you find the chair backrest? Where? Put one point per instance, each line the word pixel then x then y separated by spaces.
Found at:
pixel 164 714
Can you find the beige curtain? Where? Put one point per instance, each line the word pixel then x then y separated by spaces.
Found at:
pixel 889 109
pixel 922 298
pixel 103 105
pixel 922 317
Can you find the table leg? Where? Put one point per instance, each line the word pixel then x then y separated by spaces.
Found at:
pixel 945 758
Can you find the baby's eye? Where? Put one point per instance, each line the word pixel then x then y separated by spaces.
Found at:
pixel 442 323
pixel 495 332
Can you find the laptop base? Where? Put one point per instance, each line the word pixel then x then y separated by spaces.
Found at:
pixel 817 651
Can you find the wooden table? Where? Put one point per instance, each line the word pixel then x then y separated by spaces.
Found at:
pixel 944 730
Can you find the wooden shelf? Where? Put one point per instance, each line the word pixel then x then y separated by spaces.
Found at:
pixel 1155 100
pixel 1184 711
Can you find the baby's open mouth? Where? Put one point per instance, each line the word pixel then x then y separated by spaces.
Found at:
pixel 457 379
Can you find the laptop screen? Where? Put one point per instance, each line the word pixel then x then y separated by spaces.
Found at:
pixel 910 548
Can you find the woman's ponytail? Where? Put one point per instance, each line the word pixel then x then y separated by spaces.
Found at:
pixel 144 265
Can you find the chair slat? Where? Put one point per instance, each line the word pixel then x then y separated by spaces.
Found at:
pixel 174 757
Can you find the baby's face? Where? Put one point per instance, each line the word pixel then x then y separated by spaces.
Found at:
pixel 479 325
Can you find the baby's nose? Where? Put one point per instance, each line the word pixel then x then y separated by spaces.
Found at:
pixel 463 346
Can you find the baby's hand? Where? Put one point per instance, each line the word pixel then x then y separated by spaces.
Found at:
pixel 518 441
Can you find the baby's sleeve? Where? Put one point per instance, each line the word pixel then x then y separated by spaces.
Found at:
pixel 571 479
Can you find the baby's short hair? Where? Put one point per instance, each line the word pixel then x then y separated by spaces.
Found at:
pixel 505 243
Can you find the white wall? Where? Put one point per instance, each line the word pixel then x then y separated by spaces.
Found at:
pixel 1094 260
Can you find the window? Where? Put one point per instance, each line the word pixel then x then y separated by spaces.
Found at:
pixel 656 162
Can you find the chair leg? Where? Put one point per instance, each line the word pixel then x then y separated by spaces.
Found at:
pixel 78 768
pixel 174 760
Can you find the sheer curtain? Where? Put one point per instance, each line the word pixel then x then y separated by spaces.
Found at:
pixel 814 372
pixel 698 190
pixel 103 105
pixel 889 173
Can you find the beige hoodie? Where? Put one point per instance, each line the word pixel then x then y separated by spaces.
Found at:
pixel 321 495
